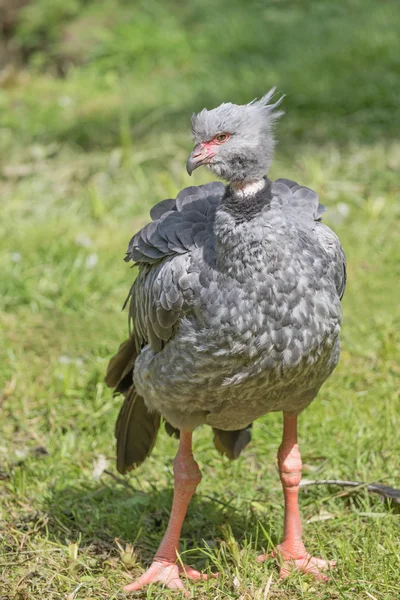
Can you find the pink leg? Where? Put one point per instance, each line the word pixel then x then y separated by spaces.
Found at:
pixel 166 567
pixel 291 551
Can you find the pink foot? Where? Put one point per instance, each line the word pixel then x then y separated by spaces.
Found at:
pixel 167 573
pixel 304 563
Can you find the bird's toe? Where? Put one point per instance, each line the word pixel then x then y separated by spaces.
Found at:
pixel 168 574
pixel 162 572
pixel 307 564
pixel 191 573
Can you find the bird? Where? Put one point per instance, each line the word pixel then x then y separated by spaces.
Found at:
pixel 235 313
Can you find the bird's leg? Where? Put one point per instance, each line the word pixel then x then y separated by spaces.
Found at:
pixel 166 567
pixel 291 552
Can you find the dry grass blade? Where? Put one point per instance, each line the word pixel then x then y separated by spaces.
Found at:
pixel 267 588
pixel 8 389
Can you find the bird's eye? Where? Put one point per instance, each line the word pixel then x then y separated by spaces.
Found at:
pixel 221 138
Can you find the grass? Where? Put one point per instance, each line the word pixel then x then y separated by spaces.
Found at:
pixel 82 160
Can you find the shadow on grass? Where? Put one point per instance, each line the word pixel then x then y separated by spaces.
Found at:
pixel 99 514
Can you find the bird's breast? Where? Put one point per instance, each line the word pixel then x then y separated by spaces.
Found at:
pixel 276 304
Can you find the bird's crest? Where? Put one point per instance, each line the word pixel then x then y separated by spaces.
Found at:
pixel 264 104
pixel 259 114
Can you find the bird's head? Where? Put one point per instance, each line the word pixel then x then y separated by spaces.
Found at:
pixel 235 141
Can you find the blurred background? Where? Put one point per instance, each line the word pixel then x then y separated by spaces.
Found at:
pixel 95 105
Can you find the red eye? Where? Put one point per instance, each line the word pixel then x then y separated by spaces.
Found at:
pixel 221 138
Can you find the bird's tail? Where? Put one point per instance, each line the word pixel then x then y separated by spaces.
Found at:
pixel 231 443
pixel 136 428
pixel 136 432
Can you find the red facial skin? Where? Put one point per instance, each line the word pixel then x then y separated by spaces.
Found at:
pixel 204 152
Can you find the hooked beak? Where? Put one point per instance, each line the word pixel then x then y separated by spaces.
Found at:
pixel 201 155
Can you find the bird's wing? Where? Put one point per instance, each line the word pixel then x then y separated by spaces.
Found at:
pixel 163 290
pixel 160 296
pixel 301 201
pixel 178 226
pixel 304 206
pixel 333 248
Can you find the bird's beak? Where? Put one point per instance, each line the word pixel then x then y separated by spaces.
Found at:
pixel 201 155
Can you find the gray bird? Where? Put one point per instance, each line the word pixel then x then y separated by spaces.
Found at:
pixel 236 313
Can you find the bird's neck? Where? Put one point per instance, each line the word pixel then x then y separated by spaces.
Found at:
pixel 247 189
pixel 238 233
pixel 244 200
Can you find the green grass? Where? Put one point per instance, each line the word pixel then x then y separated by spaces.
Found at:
pixel 82 159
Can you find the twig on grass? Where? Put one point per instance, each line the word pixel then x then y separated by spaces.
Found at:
pixel 123 482
pixel 385 491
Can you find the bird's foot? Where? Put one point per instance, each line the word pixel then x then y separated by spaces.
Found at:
pixel 167 573
pixel 303 562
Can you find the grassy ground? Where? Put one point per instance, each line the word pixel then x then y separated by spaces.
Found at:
pixel 82 160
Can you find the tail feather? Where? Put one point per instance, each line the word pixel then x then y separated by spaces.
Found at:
pixel 231 443
pixel 172 431
pixel 136 432
pixel 120 368
pixel 136 427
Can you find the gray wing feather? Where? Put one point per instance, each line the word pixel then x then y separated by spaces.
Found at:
pixel 304 206
pixel 161 294
pixel 320 212
pixel 214 190
pixel 288 182
pixel 162 207
pixel 333 248
pixel 301 201
pixel 187 196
